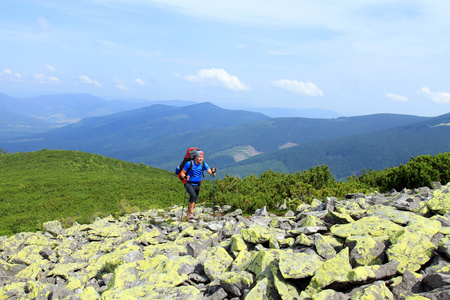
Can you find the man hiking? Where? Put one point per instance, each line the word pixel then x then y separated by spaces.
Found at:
pixel 193 176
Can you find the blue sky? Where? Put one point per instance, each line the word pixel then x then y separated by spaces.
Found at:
pixel 352 57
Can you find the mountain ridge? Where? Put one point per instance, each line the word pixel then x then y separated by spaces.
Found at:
pixel 240 142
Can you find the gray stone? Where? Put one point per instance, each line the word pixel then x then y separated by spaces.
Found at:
pixel 435 281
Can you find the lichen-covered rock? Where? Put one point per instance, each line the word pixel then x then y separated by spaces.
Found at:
pixel 444 246
pixel 334 269
pixel 256 234
pixel 440 202
pixel 89 293
pixel 311 220
pixel 263 263
pixel 123 277
pixel 298 265
pixel 31 272
pixel 370 273
pixel 410 250
pixel 416 297
pixel 30 255
pixel 391 213
pixel 62 270
pixel 323 248
pixel 373 226
pixel 13 290
pixel 286 290
pixel 236 282
pixel 10 270
pixel 377 290
pixel 342 217
pixel 147 255
pixel 242 260
pixel 237 243
pixel 329 295
pixel 304 240
pixel 367 250
pixel 54 227
pixel 216 262
pixel 259 291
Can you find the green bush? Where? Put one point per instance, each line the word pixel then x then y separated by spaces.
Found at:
pixel 272 189
pixel 74 186
pixel 420 171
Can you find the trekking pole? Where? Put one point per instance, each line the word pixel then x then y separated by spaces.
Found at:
pixel 214 201
pixel 182 211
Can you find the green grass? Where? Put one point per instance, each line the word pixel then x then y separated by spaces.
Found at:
pixel 37 187
pixel 68 186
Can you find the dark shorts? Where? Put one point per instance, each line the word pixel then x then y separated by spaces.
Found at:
pixel 193 190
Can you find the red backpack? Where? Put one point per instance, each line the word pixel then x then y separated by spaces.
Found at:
pixel 190 156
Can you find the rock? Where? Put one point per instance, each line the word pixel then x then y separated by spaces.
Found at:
pixel 235 283
pixel 261 212
pixel 367 250
pixel 435 281
pixel 216 262
pixel 377 290
pixel 298 265
pixel 54 227
pixel 334 269
pixel 409 285
pixel 380 246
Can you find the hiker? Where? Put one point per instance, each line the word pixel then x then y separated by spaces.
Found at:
pixel 193 179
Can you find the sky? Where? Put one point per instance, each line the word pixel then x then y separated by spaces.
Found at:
pixel 350 56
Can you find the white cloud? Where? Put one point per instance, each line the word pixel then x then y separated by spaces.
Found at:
pixel 217 77
pixel 43 23
pixel 298 87
pixel 42 78
pixel 139 81
pixel 396 97
pixel 11 75
pixel 120 84
pixel 53 79
pixel 50 67
pixel 86 79
pixel 438 97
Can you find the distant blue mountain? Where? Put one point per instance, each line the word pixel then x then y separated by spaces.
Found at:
pixel 238 142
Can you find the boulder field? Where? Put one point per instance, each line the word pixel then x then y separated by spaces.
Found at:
pixel 379 246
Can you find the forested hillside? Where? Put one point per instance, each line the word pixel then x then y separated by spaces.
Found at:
pixel 222 145
pixel 349 155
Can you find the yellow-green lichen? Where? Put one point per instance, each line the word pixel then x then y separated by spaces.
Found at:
pixel 440 202
pixel 298 265
pixel 373 226
pixel 334 269
pixel 255 234
pixel 410 250
pixel 216 262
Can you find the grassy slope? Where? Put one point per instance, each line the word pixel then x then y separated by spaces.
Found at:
pixel 36 187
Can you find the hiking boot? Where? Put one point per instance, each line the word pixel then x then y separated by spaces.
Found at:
pixel 191 218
